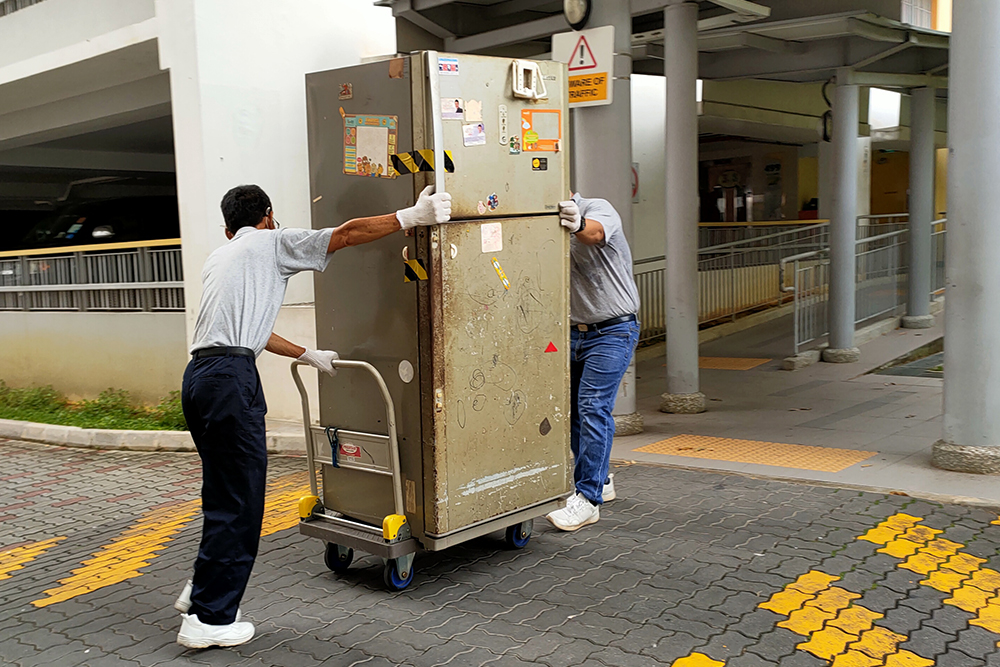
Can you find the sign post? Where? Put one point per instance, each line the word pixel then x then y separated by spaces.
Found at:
pixel 589 57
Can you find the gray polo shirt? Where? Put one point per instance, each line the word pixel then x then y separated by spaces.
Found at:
pixel 245 280
pixel 601 283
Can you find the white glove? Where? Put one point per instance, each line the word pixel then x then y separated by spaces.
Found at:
pixel 321 360
pixel 430 209
pixel 569 216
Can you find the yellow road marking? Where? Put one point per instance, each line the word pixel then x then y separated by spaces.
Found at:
pixel 117 562
pixel 281 505
pixel 907 659
pixel 14 559
pixel 138 545
pixel 730 363
pixel 783 455
pixel 697 660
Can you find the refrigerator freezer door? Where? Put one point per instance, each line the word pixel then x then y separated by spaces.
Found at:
pixel 510 153
pixel 501 369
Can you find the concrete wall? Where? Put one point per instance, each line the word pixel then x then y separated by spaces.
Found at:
pixel 54 24
pixel 82 354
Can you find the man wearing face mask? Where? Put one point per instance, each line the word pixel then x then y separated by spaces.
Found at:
pixel 603 335
pixel 244 286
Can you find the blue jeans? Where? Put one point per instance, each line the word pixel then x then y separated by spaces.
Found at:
pixel 598 360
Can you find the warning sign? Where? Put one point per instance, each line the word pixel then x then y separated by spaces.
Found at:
pixel 589 57
pixel 582 57
pixel 587 88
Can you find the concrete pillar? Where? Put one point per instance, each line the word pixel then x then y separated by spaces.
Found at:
pixel 922 102
pixel 681 150
pixel 843 221
pixel 971 441
pixel 602 163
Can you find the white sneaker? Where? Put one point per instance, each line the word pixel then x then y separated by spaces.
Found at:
pixel 195 634
pixel 183 601
pixel 579 512
pixel 608 494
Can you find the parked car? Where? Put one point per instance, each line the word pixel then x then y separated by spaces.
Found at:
pixel 123 220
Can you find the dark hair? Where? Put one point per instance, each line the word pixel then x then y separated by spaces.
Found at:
pixel 244 206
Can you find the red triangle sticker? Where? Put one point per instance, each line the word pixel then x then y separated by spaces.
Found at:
pixel 551 348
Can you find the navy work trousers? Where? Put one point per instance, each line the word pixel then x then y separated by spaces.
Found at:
pixel 224 406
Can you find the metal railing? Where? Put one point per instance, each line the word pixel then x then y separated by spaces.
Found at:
pixel 733 278
pixel 882 273
pixel 125 277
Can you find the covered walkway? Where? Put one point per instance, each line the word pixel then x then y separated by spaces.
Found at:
pixel 827 423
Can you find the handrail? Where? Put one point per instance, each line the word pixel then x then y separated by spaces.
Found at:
pixel 38 252
pixel 880 237
pixel 880 216
pixel 793 258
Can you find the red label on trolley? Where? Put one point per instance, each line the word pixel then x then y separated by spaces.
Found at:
pixel 350 450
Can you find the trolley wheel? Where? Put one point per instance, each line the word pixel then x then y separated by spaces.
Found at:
pixel 336 559
pixel 394 581
pixel 517 536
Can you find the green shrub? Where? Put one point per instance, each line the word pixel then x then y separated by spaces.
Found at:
pixel 114 409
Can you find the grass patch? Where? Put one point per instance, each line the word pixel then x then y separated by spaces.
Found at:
pixel 114 409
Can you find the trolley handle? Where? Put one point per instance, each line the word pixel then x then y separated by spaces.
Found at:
pixel 390 413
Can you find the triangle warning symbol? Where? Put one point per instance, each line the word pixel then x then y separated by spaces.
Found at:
pixel 551 348
pixel 582 57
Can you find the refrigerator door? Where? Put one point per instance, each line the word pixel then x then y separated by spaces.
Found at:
pixel 510 153
pixel 500 364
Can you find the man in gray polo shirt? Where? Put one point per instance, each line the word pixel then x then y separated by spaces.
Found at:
pixel 244 286
pixel 604 332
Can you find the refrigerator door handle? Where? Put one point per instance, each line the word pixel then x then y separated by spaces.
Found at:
pixel 437 127
pixel 526 78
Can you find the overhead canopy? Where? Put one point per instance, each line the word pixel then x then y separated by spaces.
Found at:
pixel 877 51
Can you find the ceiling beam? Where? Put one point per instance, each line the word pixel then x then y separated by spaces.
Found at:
pixel 407 10
pixel 514 6
pixel 772 44
pixel 512 35
pixel 890 80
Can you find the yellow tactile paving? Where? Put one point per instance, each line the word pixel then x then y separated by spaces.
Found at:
pixel 833 599
pixel 807 620
pixel 124 557
pixel 730 363
pixel 697 660
pixel 786 601
pixel 989 617
pixel 15 558
pixel 782 455
pixel 813 582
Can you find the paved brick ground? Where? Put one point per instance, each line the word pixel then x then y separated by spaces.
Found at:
pixel 686 568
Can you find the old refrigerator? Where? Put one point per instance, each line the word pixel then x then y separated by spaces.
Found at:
pixel 467 322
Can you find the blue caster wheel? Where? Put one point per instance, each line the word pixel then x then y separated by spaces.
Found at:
pixel 394 580
pixel 517 536
pixel 338 558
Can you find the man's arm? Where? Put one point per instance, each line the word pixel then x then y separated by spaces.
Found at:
pixel 363 230
pixel 591 233
pixel 321 360
pixel 430 209
pixel 278 345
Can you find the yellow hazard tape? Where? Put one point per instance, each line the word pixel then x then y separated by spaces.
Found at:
pixel 414 270
pixel 503 276
pixel 422 160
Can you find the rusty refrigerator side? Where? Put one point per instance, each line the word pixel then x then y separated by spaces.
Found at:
pixel 366 309
pixel 499 360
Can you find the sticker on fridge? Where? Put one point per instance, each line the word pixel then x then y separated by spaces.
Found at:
pixel 473 111
pixel 541 130
pixel 474 134
pixel 492 236
pixel 452 108
pixel 448 66
pixel 369 141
